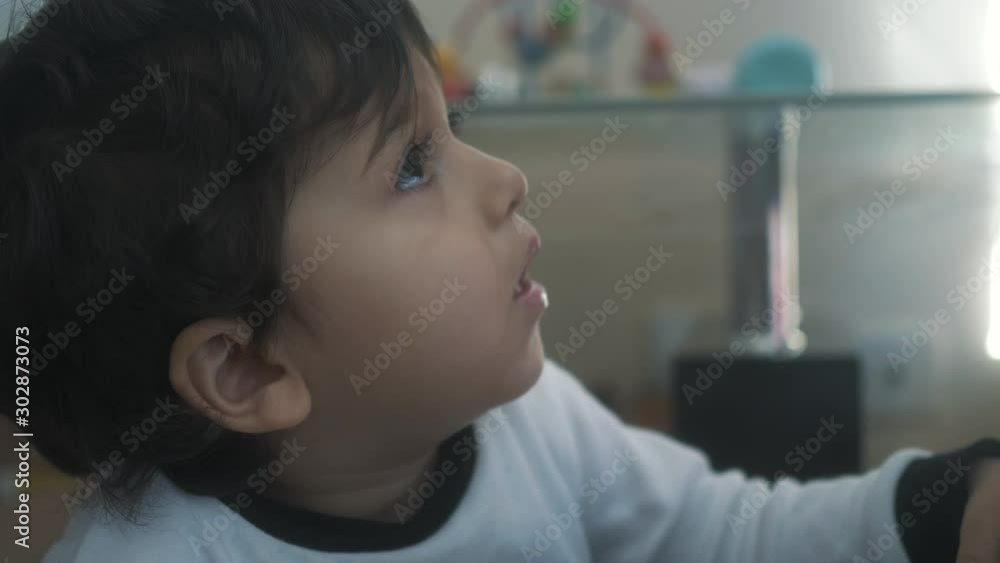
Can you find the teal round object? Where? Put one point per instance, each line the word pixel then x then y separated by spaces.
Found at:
pixel 777 64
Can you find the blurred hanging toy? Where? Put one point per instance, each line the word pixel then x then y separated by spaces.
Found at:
pixel 535 45
pixel 451 78
pixel 570 49
pixel 654 71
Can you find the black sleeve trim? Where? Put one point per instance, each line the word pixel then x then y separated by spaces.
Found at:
pixel 930 500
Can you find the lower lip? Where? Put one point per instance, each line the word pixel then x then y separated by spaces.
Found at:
pixel 534 296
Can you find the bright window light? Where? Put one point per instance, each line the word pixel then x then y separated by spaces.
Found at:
pixel 993 334
pixel 991 43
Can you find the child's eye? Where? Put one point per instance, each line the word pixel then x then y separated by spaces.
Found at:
pixel 413 171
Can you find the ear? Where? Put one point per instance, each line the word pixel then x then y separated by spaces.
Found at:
pixel 215 372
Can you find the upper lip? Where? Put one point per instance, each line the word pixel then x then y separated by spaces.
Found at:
pixel 534 244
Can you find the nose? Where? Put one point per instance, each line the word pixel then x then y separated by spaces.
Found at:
pixel 505 189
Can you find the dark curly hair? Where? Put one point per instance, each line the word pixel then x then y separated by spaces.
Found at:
pixel 148 149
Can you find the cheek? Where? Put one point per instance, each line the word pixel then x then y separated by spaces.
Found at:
pixel 446 299
pixel 463 320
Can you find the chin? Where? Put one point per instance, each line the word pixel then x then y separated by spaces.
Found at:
pixel 526 369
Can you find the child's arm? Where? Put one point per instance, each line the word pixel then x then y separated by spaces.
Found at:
pixel 665 503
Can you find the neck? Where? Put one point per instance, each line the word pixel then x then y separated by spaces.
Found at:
pixel 368 490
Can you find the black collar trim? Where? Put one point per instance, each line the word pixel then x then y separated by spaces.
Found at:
pixel 323 532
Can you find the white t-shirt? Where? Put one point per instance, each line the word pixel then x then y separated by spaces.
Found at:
pixel 552 476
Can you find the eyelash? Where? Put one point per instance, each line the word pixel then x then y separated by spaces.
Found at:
pixel 455 121
pixel 416 157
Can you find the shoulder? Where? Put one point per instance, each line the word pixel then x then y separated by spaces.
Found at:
pixel 558 388
pixel 166 530
pixel 565 404
pixel 568 423
pixel 559 416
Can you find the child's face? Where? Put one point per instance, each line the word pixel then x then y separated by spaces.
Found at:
pixel 412 318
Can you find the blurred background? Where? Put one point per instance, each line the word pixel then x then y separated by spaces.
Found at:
pixel 869 45
pixel 824 173
pixel 876 212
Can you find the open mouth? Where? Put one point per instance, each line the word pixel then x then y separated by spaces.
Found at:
pixel 525 284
